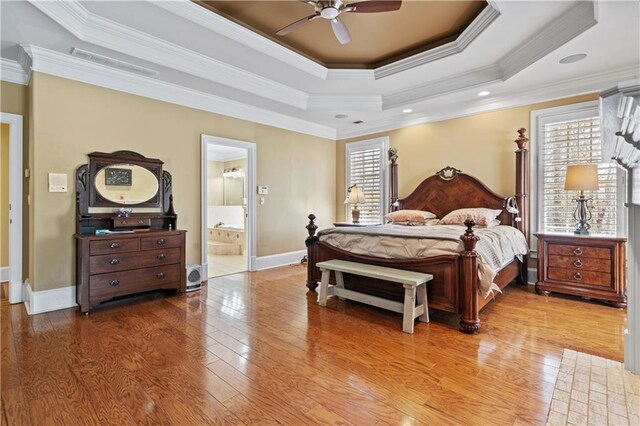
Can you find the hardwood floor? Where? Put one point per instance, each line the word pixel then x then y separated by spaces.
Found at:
pixel 257 349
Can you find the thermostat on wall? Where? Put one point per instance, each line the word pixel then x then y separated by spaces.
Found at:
pixel 263 190
pixel 57 182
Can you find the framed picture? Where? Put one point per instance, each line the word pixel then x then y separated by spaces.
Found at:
pixel 115 176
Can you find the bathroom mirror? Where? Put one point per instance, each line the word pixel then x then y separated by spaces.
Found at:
pixel 124 178
pixel 126 184
pixel 233 189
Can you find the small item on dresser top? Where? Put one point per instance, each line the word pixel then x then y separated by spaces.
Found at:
pixel 108 231
pixel 122 212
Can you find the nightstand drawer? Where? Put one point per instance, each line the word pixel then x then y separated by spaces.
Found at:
pixel 580 277
pixel 581 263
pixel 579 250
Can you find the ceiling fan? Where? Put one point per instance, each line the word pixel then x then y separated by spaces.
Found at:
pixel 331 10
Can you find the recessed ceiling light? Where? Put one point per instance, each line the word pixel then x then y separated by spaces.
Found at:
pixel 573 58
pixel 341 116
pixel 407 110
pixel 484 93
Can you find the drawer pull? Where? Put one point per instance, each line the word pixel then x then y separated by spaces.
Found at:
pixel 161 256
pixel 577 263
pixel 141 222
pixel 161 241
pixel 114 262
pixel 114 283
pixel 577 276
pixel 124 222
pixel 577 251
pixel 114 245
pixel 160 275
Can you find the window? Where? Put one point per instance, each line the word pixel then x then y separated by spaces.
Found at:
pixel 366 164
pixel 571 135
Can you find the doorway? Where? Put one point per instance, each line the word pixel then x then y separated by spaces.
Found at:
pixel 228 219
pixel 11 207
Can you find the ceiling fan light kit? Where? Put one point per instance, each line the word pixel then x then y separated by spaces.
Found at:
pixel 331 10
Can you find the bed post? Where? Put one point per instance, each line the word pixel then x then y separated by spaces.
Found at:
pixel 312 279
pixel 469 318
pixel 393 179
pixel 522 198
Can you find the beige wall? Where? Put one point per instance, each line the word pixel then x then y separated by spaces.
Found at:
pixel 480 145
pixel 215 186
pixel 14 99
pixel 4 195
pixel 71 119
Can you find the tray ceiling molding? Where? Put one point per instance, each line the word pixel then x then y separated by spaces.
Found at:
pixel 188 10
pixel 488 15
pixel 105 33
pixel 345 103
pixel 69 67
pixel 562 89
pixel 12 72
pixel 558 32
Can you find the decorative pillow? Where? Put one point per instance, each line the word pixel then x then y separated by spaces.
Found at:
pixel 409 217
pixel 482 217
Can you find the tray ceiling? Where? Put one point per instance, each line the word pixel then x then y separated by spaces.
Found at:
pixel 376 38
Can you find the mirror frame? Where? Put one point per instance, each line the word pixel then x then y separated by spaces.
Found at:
pixel 100 160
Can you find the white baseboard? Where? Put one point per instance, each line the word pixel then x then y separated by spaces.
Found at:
pixel 4 273
pixel 275 260
pixel 38 302
pixel 532 275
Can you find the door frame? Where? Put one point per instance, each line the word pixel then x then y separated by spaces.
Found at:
pixel 15 202
pixel 251 197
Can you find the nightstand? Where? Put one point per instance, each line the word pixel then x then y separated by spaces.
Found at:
pixel 582 265
pixel 361 224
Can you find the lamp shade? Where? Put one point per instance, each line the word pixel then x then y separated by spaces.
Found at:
pixel 581 177
pixel 355 195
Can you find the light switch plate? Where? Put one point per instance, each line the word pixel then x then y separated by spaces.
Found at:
pixel 57 182
pixel 263 190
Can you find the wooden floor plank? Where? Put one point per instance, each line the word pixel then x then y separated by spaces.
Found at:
pixel 255 348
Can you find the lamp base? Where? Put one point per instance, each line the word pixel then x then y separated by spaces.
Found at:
pixel 355 214
pixel 582 214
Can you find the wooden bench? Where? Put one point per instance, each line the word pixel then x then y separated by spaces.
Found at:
pixel 414 283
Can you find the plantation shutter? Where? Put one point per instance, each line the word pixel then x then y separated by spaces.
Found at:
pixel 572 142
pixel 366 168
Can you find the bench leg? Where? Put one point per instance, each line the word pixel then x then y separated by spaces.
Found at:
pixel 409 308
pixel 339 281
pixel 324 287
pixel 422 300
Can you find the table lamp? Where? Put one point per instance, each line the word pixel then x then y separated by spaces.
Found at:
pixel 355 196
pixel 582 177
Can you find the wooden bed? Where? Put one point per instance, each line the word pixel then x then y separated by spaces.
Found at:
pixel 455 284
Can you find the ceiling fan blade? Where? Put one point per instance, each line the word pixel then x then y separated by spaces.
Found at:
pixel 340 30
pixel 374 6
pixel 297 24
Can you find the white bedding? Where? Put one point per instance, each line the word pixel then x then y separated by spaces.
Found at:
pixel 497 246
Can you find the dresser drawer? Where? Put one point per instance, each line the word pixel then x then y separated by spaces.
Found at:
pixel 130 222
pixel 114 246
pixel 124 261
pixel 580 277
pixel 578 263
pixel 578 250
pixel 106 286
pixel 160 242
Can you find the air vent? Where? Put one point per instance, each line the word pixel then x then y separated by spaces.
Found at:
pixel 358 122
pixel 113 63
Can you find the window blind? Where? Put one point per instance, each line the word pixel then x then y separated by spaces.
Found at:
pixel 573 142
pixel 365 169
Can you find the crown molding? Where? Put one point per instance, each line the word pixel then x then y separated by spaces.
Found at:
pixel 564 28
pixel 542 93
pixel 188 10
pixel 12 72
pixel 489 14
pixel 103 32
pixel 351 74
pixel 345 102
pixel 451 84
pixel 67 66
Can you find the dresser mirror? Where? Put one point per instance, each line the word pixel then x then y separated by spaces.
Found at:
pixel 128 184
pixel 124 178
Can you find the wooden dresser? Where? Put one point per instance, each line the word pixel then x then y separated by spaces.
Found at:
pixel 110 266
pixel 582 265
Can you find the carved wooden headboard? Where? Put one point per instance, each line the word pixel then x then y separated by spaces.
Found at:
pixel 449 190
